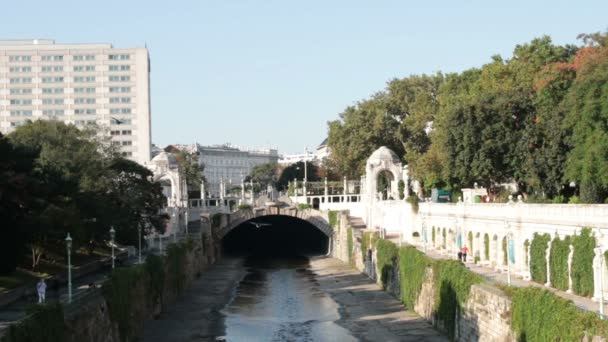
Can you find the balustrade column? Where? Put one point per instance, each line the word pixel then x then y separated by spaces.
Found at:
pixel 548 259
pixel 570 255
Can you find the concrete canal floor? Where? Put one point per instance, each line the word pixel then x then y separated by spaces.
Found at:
pixel 286 299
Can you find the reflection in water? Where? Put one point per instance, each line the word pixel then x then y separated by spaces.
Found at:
pixel 279 300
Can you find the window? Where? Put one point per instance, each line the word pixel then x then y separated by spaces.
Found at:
pixel 52 101
pixel 120 67
pixel 20 58
pixel 84 79
pixel 20 69
pixel 20 80
pixel 127 154
pixel 84 90
pixel 87 111
pixel 120 78
pixel 84 57
pixel 53 112
pixel 120 111
pixel 114 132
pixel 21 102
pixel 21 112
pixel 16 123
pixel 120 89
pixel 120 100
pixel 122 57
pixel 121 121
pixel 127 143
pixel 91 122
pixel 55 58
pixel 48 68
pixel 79 122
pixel 82 100
pixel 52 90
pixel 52 79
pixel 84 68
pixel 127 132
pixel 16 91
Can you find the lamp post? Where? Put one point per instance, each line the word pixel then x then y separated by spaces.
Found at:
pixel 68 244
pixel 174 226
pixel 112 235
pixel 139 237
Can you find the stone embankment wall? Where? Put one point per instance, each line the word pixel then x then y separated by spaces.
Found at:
pixel 92 321
pixel 485 315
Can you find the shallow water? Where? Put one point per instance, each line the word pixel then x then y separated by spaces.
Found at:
pixel 279 300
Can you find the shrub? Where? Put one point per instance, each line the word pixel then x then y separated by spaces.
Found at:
pixel 504 251
pixel 412 271
pixel 43 323
pixel 387 254
pixel 539 315
pixel 558 260
pixel 444 237
pixel 486 246
pixel 401 189
pixel 471 243
pixel 574 200
pixel 350 245
pixel 365 244
pixel 244 207
pixel 538 257
pixel 155 268
pixel 304 206
pixel 333 218
pixel 216 220
pixel 433 235
pixel 453 283
pixel 582 263
pixel 413 200
pixel 176 259
pixel 119 291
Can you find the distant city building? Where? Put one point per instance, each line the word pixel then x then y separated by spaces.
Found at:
pixel 229 163
pixel 81 84
pixel 318 155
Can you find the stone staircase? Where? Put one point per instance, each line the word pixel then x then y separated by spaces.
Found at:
pixel 357 224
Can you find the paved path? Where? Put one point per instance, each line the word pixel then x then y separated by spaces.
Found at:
pixel 368 312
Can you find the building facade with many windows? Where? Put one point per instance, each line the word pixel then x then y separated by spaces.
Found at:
pixel 81 84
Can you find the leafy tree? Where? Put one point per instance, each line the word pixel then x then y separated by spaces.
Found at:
pixel 296 171
pixel 189 168
pixel 264 174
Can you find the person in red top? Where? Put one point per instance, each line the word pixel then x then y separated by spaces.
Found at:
pixel 464 250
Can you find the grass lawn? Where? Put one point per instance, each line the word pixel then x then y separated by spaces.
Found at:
pixel 16 279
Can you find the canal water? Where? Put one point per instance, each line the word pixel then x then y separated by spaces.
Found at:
pixel 279 300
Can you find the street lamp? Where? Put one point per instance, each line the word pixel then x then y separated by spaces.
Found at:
pixel 174 226
pixel 112 235
pixel 68 243
pixel 139 236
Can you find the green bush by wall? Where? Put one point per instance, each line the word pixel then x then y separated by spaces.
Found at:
pixel 558 261
pixel 176 259
pixel 538 257
pixel 43 323
pixel 387 253
pixel 453 283
pixel 216 220
pixel 471 244
pixel 504 251
pixel 526 245
pixel 433 233
pixel 539 316
pixel 333 219
pixel 155 268
pixel 304 206
pixel 119 292
pixel 365 244
pixel 350 245
pixel 444 241
pixel 413 200
pixel 582 263
pixel 486 246
pixel 412 272
pixel 401 189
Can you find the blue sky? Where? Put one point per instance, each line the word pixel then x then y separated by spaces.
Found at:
pixel 269 72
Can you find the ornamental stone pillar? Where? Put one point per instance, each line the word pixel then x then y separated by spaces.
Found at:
pixel 570 255
pixel 548 259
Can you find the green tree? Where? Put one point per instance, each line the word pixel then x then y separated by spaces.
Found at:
pixel 264 174
pixel 296 171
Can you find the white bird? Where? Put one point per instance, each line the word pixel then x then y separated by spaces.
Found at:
pixel 259 224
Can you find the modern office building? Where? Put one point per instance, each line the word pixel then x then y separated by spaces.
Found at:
pixel 81 84
pixel 229 163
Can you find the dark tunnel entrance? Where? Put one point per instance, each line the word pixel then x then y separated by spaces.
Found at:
pixel 276 235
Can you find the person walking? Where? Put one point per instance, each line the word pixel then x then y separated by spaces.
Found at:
pixel 41 288
pixel 464 250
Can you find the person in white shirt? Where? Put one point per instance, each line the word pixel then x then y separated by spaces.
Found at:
pixel 41 287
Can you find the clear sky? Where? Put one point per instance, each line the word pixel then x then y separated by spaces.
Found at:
pixel 273 72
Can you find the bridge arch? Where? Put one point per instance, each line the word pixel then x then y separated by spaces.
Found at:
pixel 276 234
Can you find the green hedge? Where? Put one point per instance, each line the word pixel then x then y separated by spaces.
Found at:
pixel 350 245
pixel 333 219
pixel 176 259
pixel 413 200
pixel 443 237
pixel 453 283
pixel 365 244
pixel 43 323
pixel 486 246
pixel 216 220
pixel 471 253
pixel 119 292
pixel 433 235
pixel 539 315
pixel 304 206
pixel 538 257
pixel 155 268
pixel 558 260
pixel 387 253
pixel 412 272
pixel 582 263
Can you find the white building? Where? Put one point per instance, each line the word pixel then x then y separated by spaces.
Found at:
pixel 321 152
pixel 230 164
pixel 81 84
